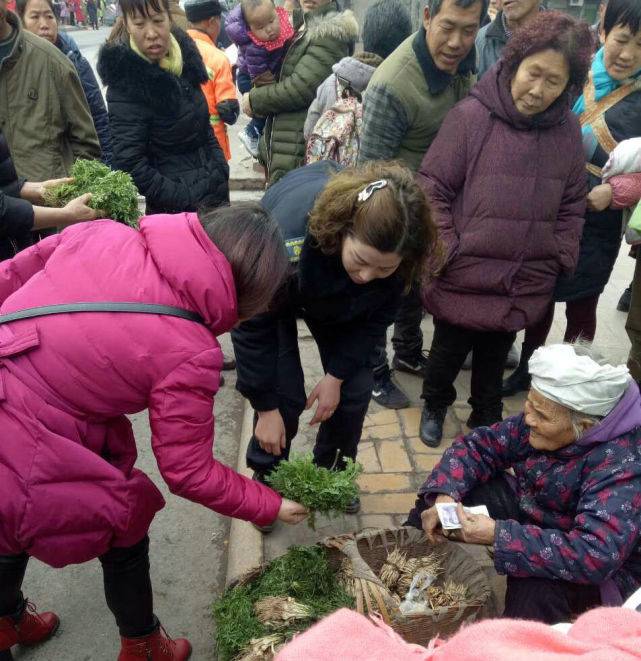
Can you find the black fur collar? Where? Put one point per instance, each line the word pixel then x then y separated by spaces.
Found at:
pixel 121 69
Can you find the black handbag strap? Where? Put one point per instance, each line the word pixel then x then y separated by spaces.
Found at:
pixel 66 308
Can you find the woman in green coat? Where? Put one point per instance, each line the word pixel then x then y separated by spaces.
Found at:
pixel 324 35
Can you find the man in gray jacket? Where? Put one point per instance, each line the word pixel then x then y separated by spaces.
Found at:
pixel 491 39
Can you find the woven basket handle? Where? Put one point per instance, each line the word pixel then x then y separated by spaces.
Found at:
pixel 371 594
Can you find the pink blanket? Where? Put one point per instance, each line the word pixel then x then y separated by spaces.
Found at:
pixel 604 634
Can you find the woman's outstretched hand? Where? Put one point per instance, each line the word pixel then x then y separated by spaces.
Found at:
pixel 291 512
pixel 328 394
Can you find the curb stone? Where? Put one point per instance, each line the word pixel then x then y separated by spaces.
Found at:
pixel 245 549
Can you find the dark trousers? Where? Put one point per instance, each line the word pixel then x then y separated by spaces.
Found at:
pixel 540 599
pixel 244 82
pixel 581 323
pixel 127 587
pixel 450 347
pixel 408 336
pixel 337 437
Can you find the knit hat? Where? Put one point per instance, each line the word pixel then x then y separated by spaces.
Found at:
pixel 201 10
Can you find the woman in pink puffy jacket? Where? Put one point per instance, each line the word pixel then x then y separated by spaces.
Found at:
pixel 69 491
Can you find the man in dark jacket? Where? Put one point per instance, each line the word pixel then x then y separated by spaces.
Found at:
pixel 403 107
pixel 44 113
pixel 492 37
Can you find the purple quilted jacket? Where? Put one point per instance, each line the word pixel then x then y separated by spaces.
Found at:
pixel 252 59
pixel 580 507
pixel 509 210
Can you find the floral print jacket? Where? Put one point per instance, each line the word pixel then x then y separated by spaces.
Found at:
pixel 580 506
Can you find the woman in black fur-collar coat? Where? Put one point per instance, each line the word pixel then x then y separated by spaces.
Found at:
pixel 157 112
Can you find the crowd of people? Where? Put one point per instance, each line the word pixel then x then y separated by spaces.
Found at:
pixel 461 170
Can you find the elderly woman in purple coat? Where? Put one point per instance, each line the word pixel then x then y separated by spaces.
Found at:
pixel 565 522
pixel 506 176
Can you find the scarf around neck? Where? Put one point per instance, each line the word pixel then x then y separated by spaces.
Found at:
pixel 172 62
pixel 286 33
pixel 604 84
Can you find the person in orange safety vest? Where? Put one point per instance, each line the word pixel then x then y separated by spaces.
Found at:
pixel 204 18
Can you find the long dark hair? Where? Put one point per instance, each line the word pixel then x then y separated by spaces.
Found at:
pixel 253 244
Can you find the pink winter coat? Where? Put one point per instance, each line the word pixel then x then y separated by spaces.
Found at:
pixel 68 488
pixel 603 634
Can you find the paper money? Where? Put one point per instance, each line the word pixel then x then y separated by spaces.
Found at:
pixel 449 516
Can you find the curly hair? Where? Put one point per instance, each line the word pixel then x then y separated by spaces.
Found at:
pixel 553 30
pixel 395 219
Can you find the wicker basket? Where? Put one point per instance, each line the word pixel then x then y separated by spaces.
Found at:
pixel 368 551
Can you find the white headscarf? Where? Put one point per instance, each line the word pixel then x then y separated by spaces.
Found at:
pixel 577 382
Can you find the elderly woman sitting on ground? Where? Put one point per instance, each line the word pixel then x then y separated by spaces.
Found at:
pixel 566 525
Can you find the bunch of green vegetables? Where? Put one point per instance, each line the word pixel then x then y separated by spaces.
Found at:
pixel 303 574
pixel 112 191
pixel 319 489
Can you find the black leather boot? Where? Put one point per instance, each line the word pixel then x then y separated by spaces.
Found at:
pixel 431 429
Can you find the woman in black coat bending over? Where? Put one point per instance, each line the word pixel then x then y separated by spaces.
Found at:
pixel 158 115
pixel 357 238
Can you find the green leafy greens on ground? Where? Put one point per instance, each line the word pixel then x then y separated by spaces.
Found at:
pixel 112 191
pixel 319 489
pixel 302 573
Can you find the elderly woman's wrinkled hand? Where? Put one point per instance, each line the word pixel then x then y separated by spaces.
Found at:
pixel 475 528
pixel 431 522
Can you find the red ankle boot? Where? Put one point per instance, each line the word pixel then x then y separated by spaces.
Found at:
pixel 32 628
pixel 158 646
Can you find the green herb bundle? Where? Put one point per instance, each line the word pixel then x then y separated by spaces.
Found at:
pixel 319 489
pixel 112 191
pixel 302 573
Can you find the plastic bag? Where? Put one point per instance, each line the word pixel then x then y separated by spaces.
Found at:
pixel 416 598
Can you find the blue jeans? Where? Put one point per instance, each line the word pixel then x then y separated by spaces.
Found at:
pixel 257 124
